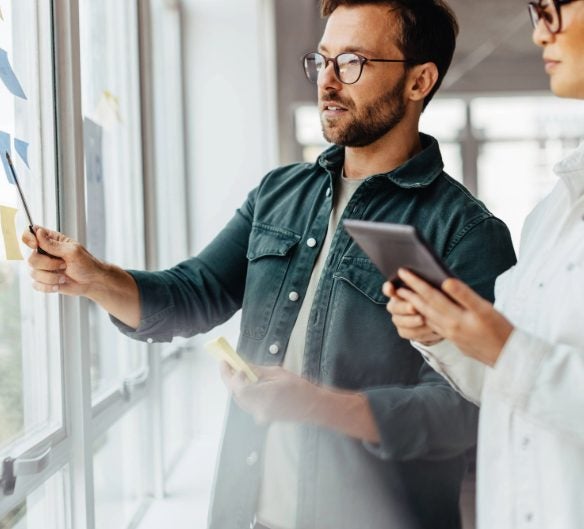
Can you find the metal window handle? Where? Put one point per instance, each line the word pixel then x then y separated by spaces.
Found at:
pixel 135 381
pixel 13 468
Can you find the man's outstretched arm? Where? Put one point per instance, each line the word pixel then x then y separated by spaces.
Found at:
pixel 73 271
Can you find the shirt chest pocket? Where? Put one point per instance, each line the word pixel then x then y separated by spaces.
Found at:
pixel 363 349
pixel 363 277
pixel 268 254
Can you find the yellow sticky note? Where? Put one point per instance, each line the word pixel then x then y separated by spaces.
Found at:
pixel 107 112
pixel 1 15
pixel 222 350
pixel 8 222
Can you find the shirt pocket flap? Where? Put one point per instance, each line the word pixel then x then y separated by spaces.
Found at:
pixel 267 240
pixel 364 276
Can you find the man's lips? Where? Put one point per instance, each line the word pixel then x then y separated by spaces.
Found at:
pixel 550 64
pixel 332 108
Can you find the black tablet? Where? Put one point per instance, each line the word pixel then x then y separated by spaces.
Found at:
pixel 394 246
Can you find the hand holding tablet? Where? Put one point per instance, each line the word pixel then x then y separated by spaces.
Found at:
pixel 394 246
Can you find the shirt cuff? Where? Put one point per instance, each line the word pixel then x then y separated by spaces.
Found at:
pixel 518 366
pixel 156 308
pixel 464 374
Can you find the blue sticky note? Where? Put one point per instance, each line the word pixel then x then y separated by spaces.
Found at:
pixel 21 147
pixel 8 76
pixel 5 148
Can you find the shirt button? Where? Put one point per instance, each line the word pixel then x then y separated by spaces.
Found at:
pixel 274 349
pixel 328 191
pixel 571 267
pixel 311 242
pixel 252 459
pixel 293 296
pixel 529 517
pixel 150 340
pixel 525 442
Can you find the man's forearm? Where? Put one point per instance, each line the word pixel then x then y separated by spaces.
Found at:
pixel 346 412
pixel 117 293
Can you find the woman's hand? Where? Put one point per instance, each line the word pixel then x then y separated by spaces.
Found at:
pixel 458 314
pixel 410 324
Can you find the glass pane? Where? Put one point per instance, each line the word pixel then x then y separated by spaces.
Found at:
pixel 523 137
pixel 452 159
pixel 514 176
pixel 528 117
pixel 444 119
pixel 113 171
pixel 121 470
pixel 44 508
pixel 30 377
pixel 171 191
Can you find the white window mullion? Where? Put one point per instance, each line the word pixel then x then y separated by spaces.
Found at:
pixel 74 311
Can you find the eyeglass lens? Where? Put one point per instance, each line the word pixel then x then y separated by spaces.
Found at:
pixel 549 12
pixel 347 67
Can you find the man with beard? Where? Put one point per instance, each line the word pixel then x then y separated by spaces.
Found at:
pixel 347 427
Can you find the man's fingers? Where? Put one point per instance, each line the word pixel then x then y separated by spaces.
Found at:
pixel 30 240
pixel 48 243
pixel 45 289
pixel 39 261
pixel 48 278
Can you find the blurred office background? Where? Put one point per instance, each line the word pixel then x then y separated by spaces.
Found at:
pixel 148 121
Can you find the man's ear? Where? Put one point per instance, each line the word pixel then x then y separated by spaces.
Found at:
pixel 421 79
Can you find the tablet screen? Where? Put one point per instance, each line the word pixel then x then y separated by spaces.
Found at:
pixel 394 246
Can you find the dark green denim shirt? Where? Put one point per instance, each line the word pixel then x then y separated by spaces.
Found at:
pixel 267 251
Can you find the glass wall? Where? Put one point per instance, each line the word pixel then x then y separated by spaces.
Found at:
pixel 503 148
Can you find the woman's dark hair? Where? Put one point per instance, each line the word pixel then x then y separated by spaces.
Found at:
pixel 427 34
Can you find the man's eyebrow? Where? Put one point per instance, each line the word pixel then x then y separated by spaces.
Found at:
pixel 350 49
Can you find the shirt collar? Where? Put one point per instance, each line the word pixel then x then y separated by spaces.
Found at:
pixel 571 171
pixel 419 171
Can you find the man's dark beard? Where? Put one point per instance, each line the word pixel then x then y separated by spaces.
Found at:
pixel 373 122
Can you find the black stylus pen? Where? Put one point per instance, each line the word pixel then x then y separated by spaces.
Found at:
pixel 23 200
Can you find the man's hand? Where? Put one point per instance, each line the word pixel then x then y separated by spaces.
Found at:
pixel 278 395
pixel 282 396
pixel 460 315
pixel 409 323
pixel 72 270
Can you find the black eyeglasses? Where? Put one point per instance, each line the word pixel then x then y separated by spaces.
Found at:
pixel 550 11
pixel 348 66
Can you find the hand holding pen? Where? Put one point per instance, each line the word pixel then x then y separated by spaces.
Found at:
pixel 24 203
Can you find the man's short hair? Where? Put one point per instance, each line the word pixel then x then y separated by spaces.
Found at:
pixel 427 34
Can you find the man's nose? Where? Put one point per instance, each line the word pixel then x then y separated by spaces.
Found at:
pixel 327 78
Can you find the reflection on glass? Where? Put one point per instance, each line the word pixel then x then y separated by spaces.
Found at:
pixel 111 110
pixel 44 508
pixel 121 471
